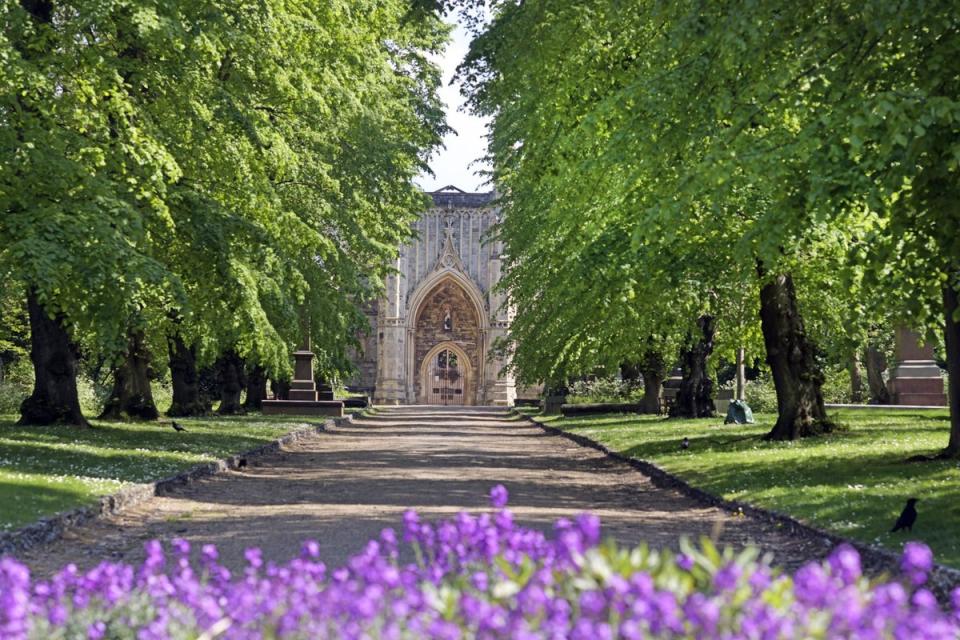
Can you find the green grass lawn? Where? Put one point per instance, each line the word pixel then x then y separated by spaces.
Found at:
pixel 45 470
pixel 853 482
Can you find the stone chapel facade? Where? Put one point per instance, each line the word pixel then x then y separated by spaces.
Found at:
pixel 431 335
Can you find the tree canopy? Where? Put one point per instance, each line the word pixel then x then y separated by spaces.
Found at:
pixel 223 174
pixel 659 162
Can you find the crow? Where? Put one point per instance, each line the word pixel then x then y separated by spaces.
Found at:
pixel 241 463
pixel 176 427
pixel 907 517
pixel 685 444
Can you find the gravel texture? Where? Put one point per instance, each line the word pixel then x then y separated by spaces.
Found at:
pixel 342 486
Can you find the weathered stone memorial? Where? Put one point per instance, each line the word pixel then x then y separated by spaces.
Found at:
pixel 916 379
pixel 303 398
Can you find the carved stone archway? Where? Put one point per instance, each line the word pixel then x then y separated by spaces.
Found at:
pixel 446 314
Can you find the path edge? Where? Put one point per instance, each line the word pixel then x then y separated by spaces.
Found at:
pixel 52 528
pixel 942 579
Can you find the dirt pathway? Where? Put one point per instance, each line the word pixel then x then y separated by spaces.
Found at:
pixel 343 486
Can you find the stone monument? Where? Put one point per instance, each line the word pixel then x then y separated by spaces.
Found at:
pixel 303 391
pixel 916 379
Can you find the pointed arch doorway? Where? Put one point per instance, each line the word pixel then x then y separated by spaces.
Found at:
pixel 446 343
pixel 446 376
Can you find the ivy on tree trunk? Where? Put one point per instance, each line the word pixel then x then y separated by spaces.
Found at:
pixel 856 378
pixel 876 364
pixel 54 399
pixel 185 380
pixel 792 359
pixel 654 371
pixel 695 396
pixel 132 396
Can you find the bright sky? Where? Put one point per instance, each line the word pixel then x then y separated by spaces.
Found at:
pixel 455 163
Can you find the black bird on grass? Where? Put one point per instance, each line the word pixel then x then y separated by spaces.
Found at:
pixel 685 444
pixel 907 517
pixel 176 427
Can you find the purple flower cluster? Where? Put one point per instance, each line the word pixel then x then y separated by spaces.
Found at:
pixel 477 576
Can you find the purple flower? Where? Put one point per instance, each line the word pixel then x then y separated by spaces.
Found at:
pixel 499 496
pixel 727 577
pixel 703 612
pixel 845 563
pixel 453 591
pixel 917 561
pixel 480 581
pixel 811 585
pixel 209 554
pixel 14 599
pixel 310 549
pixel 97 630
pixel 589 526
pixel 180 546
pixel 254 557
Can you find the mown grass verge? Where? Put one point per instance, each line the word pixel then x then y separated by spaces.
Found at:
pixel 46 470
pixel 853 482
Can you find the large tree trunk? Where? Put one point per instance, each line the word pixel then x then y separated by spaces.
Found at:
pixel 792 359
pixel 695 395
pixel 54 355
pixel 187 400
pixel 256 389
pixel 856 378
pixel 132 396
pixel 876 364
pixel 232 379
pixel 951 308
pixel 280 389
pixel 654 370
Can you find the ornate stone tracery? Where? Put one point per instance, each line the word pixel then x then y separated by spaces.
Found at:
pixel 443 292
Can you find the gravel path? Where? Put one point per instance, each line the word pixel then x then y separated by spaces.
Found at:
pixel 343 486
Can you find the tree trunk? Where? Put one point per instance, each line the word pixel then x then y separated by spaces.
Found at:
pixel 876 364
pixel 741 374
pixel 695 396
pixel 951 308
pixel 256 389
pixel 186 381
pixel 630 372
pixel 280 389
pixel 54 355
pixel 654 371
pixel 856 378
pixel 132 396
pixel 230 370
pixel 792 359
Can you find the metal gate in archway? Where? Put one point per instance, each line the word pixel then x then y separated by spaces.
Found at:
pixel 445 376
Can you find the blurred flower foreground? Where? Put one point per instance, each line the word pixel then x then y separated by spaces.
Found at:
pixel 478 576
